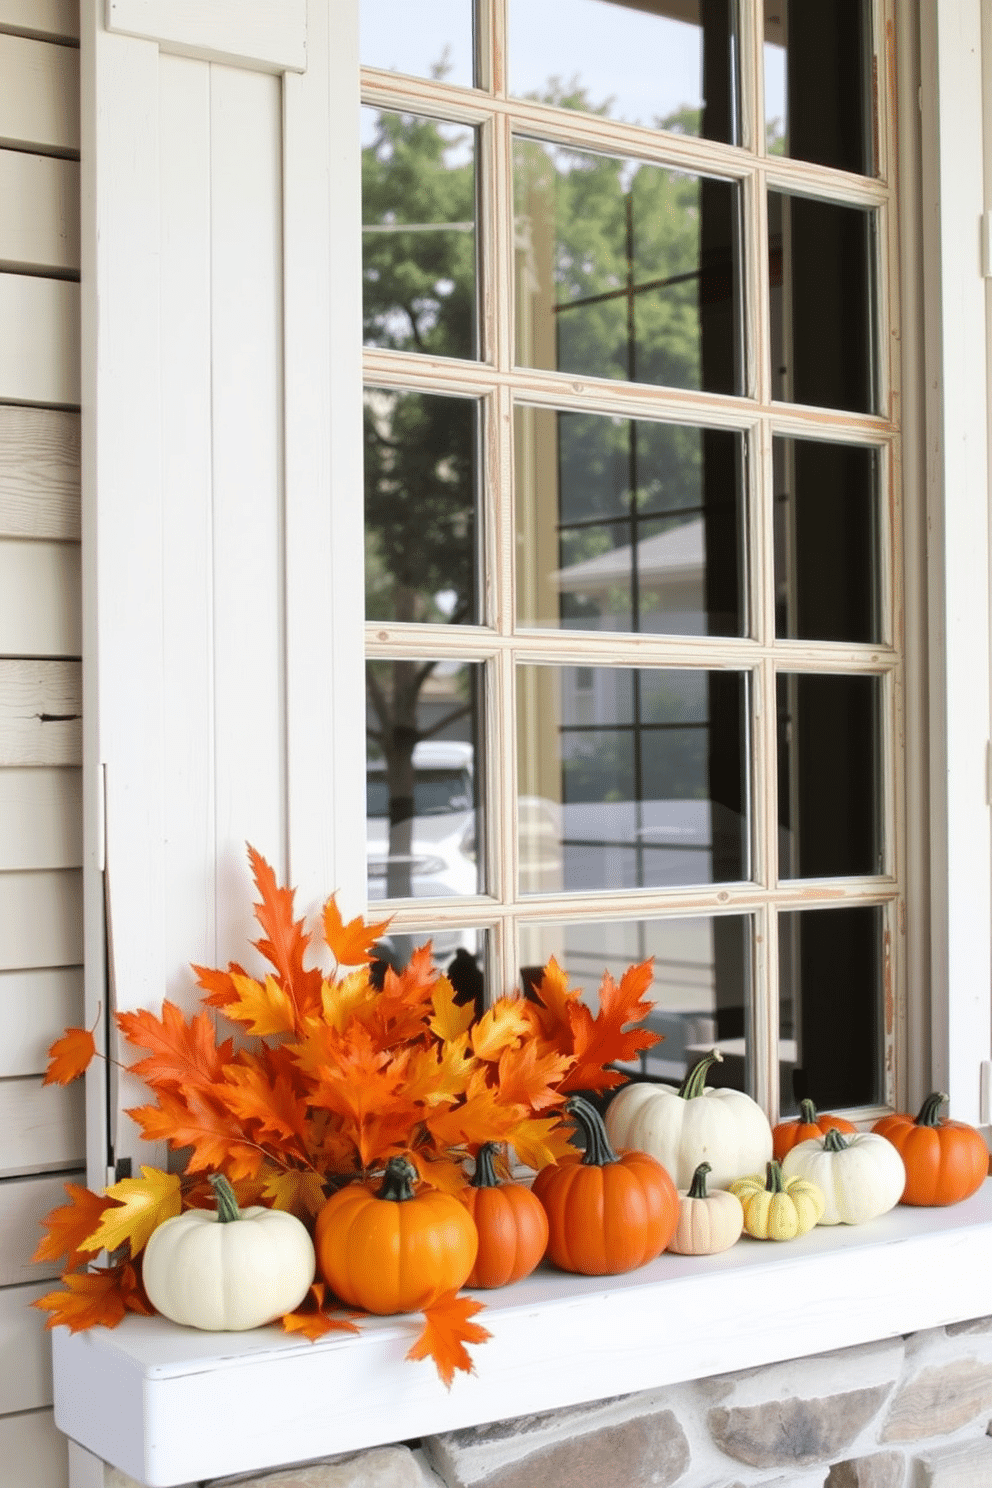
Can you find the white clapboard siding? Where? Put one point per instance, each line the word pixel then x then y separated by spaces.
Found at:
pixel 25 1352
pixel 39 94
pixel 36 1006
pixel 39 212
pixel 39 348
pixel 33 1451
pixel 40 599
pixel 41 919
pixel 40 711
pixel 41 1127
pixel 51 18
pixel 39 473
pixel 24 1202
pixel 40 818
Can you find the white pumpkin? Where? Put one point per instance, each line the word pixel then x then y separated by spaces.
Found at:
pixel 694 1124
pixel 710 1220
pixel 860 1176
pixel 228 1269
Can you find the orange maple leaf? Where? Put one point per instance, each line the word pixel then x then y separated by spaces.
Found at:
pixel 69 1056
pixel 285 941
pixel 270 1104
pixel 605 1039
pixel 182 1055
pixel 298 1190
pixel 99 1296
pixel 532 1074
pixel 71 1225
pixel 503 1026
pixel 351 944
pixel 315 1316
pixel 449 1021
pixel 198 1121
pixel 446 1331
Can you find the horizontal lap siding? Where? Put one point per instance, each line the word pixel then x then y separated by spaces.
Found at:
pixel 42 1132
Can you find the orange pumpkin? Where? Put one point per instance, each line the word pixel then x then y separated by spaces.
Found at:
pixel 945 1160
pixel 607 1213
pixel 395 1250
pixel 512 1225
pixel 808 1126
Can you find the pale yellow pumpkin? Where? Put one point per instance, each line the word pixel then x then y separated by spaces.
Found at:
pixel 777 1209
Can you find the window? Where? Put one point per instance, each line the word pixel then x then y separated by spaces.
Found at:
pixel 634 573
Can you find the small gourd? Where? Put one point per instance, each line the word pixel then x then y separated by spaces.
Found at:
pixel 709 1221
pixel 777 1208
pixel 945 1160
pixel 228 1269
pixel 861 1176
pixel 512 1225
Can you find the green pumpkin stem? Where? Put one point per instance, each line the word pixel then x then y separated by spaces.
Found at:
pixel 807 1113
pixel 695 1081
pixel 773 1177
pixel 697 1188
pixel 930 1109
pixel 485 1174
pixel 598 1150
pixel 835 1141
pixel 398 1180
pixel 227 1203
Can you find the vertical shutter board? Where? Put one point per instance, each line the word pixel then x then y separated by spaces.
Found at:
pixel 40 598
pixel 39 95
pixel 39 350
pixel 41 818
pixel 24 1339
pixel 41 919
pixel 39 473
pixel 36 1006
pixel 270 34
pixel 55 19
pixel 24 1202
pixel 33 1451
pixel 41 1128
pixel 40 712
pixel 39 220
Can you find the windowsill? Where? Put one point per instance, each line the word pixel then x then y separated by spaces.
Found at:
pixel 170 1405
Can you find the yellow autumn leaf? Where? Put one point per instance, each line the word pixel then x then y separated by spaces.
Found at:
pixel 262 1008
pixel 449 1021
pixel 503 1026
pixel 342 999
pixel 146 1203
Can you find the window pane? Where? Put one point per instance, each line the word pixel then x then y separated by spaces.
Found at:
pixel 826 541
pixel 460 953
pixel 701 988
pixel 623 524
pixel 656 62
pixel 822 303
pixel 828 763
pixel 630 778
pixel 418 234
pixel 817 82
pixel 626 270
pixel 423 795
pixel 830 979
pixel 429 41
pixel 421 480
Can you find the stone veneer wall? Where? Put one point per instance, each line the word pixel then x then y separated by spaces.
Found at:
pixel 911 1412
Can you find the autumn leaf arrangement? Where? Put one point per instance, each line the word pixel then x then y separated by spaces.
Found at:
pixel 328 1079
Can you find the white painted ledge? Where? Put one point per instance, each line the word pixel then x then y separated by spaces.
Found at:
pixel 170 1405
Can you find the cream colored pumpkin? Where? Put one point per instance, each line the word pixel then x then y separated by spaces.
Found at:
pixel 860 1176
pixel 228 1269
pixel 694 1124
pixel 710 1220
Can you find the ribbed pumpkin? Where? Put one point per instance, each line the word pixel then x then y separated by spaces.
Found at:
pixel 512 1225
pixel 808 1126
pixel 709 1220
pixel 777 1208
pixel 946 1161
pixel 395 1250
pixel 607 1212
pixel 861 1176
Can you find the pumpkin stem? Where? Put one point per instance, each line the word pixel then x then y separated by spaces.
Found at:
pixel 695 1081
pixel 598 1150
pixel 807 1113
pixel 697 1188
pixel 930 1109
pixel 227 1203
pixel 835 1141
pixel 398 1180
pixel 773 1177
pixel 485 1174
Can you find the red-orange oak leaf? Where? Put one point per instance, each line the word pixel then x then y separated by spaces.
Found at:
pixel 182 1055
pixel 285 942
pixel 350 944
pixel 532 1075
pixel 315 1316
pixel 69 1056
pixel 446 1331
pixel 606 1039
pixel 271 1105
pixel 101 1296
pixel 71 1225
pixel 199 1122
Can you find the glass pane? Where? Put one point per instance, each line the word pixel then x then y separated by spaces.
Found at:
pixel 421 480
pixel 830 980
pixel 428 41
pixel 701 988
pixel 822 303
pixel 667 63
pixel 423 792
pixel 624 524
pixel 630 778
pixel 826 541
pixel 418 234
pixel 828 765
pixel 818 82
pixel 626 270
pixel 460 952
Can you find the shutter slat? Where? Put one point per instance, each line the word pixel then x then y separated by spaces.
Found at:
pixel 39 473
pixel 40 713
pixel 36 1006
pixel 41 919
pixel 40 598
pixel 39 223
pixel 24 1202
pixel 41 1127
pixel 39 94
pixel 39 349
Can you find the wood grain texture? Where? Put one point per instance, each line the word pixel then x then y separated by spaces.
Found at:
pixel 39 473
pixel 39 212
pixel 41 919
pixel 39 95
pixel 36 1006
pixel 39 350
pixel 41 1127
pixel 40 599
pixel 33 1450
pixel 40 712
pixel 24 1202
pixel 55 19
